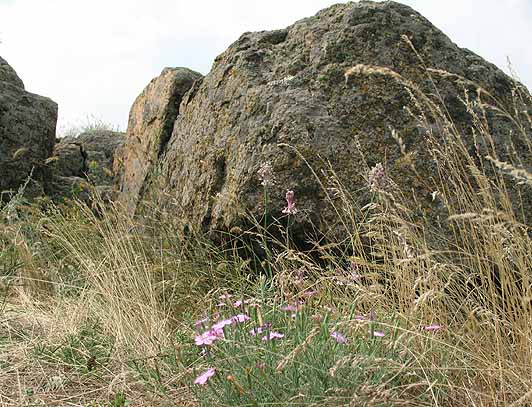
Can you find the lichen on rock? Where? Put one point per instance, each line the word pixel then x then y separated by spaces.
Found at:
pixel 284 97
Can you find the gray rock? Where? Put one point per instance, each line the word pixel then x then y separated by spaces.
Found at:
pixel 27 132
pixel 70 159
pixel 150 125
pixel 8 74
pixel 283 96
pixel 88 156
pixel 69 187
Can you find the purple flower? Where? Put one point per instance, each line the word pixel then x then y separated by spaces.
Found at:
pixel 237 303
pixel 206 375
pixel 217 330
pixel 433 327
pixel 339 337
pixel 378 334
pixel 273 335
pixel 220 324
pixel 290 204
pixel 208 337
pixel 240 318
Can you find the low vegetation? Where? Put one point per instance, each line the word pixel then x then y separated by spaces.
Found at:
pixel 88 124
pixel 98 309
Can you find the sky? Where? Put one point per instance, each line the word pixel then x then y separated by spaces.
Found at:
pixel 94 57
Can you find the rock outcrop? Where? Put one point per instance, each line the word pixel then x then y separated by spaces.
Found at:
pixel 151 121
pixel 86 158
pixel 27 134
pixel 283 96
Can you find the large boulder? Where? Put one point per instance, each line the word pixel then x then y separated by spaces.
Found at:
pixel 82 160
pixel 151 121
pixel 284 96
pixel 8 74
pixel 27 134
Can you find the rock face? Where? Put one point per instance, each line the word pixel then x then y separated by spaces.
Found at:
pixel 27 133
pixel 151 121
pixel 87 157
pixel 283 96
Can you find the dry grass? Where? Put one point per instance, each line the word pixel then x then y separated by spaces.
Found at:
pixel 138 289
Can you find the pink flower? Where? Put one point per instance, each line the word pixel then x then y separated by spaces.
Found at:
pixel 258 330
pixel 356 277
pixel 433 327
pixel 199 323
pixel 378 334
pixel 273 335
pixel 266 174
pixel 255 331
pixel 206 375
pixel 290 204
pixel 240 318
pixel 377 179
pixel 339 337
pixel 220 324
pixel 225 296
pixel 208 337
pixel 354 272
pixel 230 321
pixel 248 302
pixel 290 308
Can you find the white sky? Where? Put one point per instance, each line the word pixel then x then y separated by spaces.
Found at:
pixel 94 57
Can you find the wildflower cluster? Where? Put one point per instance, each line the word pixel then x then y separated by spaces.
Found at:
pixel 267 178
pixel 290 208
pixel 266 175
pixel 377 179
pixel 216 331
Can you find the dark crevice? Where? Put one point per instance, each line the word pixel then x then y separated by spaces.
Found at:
pixel 168 122
pixel 219 166
pixel 84 158
pixel 172 113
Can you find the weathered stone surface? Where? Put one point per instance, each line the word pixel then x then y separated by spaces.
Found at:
pixel 274 93
pixel 8 74
pixel 60 187
pixel 70 159
pixel 151 120
pixel 89 157
pixel 27 132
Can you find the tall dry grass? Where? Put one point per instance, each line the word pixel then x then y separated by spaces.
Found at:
pixel 471 273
